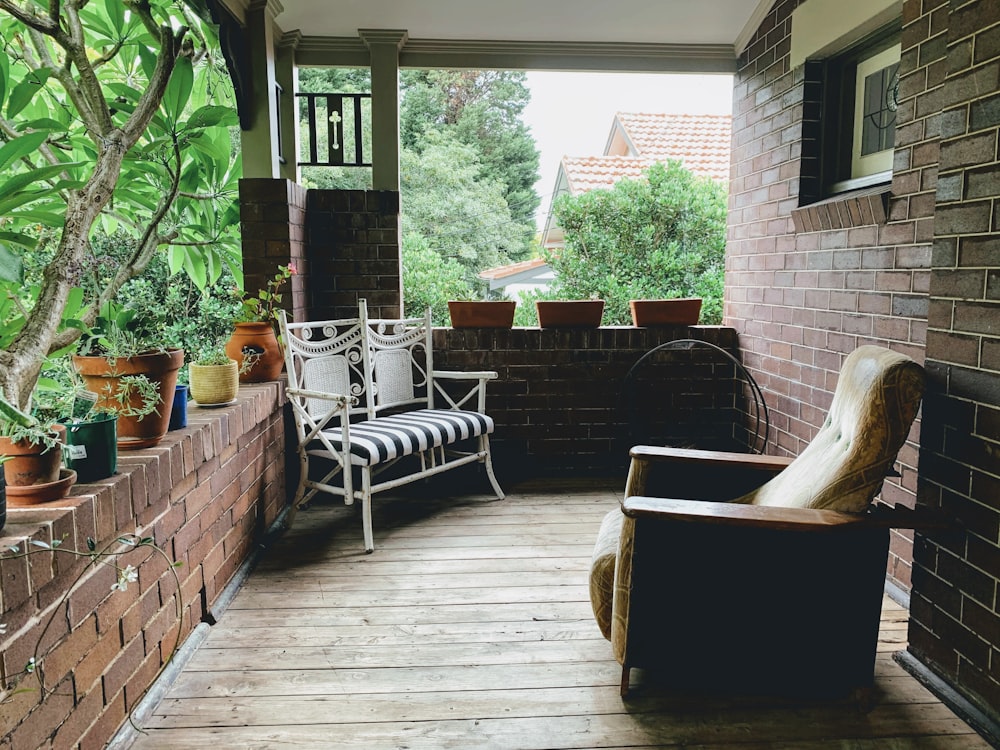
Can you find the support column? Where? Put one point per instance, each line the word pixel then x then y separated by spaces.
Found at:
pixel 260 142
pixel 383 46
pixel 287 78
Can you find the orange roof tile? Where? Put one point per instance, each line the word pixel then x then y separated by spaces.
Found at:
pixel 502 272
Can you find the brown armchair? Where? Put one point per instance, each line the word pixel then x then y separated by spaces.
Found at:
pixel 770 579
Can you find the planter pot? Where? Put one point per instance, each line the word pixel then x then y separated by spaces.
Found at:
pixel 102 378
pixel 30 464
pixel 179 411
pixel 25 497
pixel 92 448
pixel 570 313
pixel 214 384
pixel 481 314
pixel 666 312
pixel 259 339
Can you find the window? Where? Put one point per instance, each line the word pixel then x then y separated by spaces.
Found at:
pixel 859 122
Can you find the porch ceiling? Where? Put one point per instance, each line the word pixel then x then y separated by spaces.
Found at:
pixel 659 35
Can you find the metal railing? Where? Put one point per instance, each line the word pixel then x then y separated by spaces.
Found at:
pixel 337 125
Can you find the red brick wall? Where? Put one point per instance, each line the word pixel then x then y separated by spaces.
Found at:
pixel 955 625
pixel 204 495
pixel 806 286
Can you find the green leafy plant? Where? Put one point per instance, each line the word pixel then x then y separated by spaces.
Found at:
pixel 116 121
pixel 18 426
pixel 260 307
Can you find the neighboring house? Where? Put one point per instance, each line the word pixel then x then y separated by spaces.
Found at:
pixel 637 141
pixel 526 276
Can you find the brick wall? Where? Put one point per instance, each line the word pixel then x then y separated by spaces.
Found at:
pixel 561 402
pixel 955 625
pixel 205 495
pixel 807 284
pixel 354 251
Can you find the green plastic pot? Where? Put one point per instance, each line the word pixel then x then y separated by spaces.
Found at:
pixel 91 448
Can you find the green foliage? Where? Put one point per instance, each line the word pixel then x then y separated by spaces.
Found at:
pixel 660 237
pixel 446 201
pixel 430 280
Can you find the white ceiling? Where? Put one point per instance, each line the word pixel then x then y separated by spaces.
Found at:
pixel 723 25
pixel 635 21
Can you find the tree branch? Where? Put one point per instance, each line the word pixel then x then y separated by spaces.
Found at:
pixel 45 25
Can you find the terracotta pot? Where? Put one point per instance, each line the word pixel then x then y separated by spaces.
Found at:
pixel 481 313
pixel 258 338
pixel 29 464
pixel 584 313
pixel 24 497
pixel 665 312
pixel 214 384
pixel 102 378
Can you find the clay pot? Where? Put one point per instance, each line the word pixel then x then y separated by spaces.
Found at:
pixel 481 313
pixel 584 313
pixel 101 377
pixel 665 312
pixel 258 338
pixel 25 497
pixel 32 463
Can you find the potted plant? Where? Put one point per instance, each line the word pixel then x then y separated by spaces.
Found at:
pixel 214 376
pixel 682 311
pixel 32 455
pixel 134 379
pixel 481 313
pixel 583 313
pixel 255 334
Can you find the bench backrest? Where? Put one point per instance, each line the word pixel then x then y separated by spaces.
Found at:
pixel 383 364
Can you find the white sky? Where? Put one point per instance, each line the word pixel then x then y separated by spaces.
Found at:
pixel 570 114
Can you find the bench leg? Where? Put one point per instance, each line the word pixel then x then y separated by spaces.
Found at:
pixel 300 491
pixel 366 509
pixel 488 462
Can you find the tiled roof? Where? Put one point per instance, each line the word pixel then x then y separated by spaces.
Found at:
pixel 702 142
pixel 587 173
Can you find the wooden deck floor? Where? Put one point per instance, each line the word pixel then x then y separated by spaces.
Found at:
pixel 470 628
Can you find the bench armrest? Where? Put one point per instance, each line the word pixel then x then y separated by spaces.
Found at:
pixel 460 375
pixel 303 393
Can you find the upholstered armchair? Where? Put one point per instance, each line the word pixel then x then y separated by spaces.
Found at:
pixel 757 573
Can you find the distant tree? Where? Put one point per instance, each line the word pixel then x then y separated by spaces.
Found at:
pixel 482 109
pixel 447 202
pixel 430 280
pixel 658 237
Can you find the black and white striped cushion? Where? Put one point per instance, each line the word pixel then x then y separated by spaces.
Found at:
pixel 382 439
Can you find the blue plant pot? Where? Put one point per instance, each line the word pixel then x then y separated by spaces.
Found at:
pixel 179 412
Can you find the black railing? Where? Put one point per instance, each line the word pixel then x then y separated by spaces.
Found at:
pixel 335 132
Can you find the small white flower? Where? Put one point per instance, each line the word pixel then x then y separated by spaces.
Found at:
pixel 125 577
pixel 30 666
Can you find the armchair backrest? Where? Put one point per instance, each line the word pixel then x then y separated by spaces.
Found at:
pixel 401 362
pixel 875 402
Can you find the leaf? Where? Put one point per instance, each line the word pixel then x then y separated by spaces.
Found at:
pixel 211 115
pixel 43 123
pixel 23 92
pixel 11 268
pixel 43 545
pixel 175 259
pixel 91 544
pixel 194 266
pixel 4 77
pixel 175 98
pixel 21 181
pixel 20 146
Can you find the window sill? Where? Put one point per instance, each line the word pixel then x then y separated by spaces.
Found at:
pixel 856 208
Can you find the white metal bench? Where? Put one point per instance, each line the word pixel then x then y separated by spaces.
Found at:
pixel 363 395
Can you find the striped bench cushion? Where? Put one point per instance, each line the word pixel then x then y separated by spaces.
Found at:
pixel 382 439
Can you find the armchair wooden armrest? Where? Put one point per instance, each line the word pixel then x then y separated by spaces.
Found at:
pixel 701 474
pixel 774 517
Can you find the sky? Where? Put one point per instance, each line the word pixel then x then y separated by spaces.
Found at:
pixel 570 114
